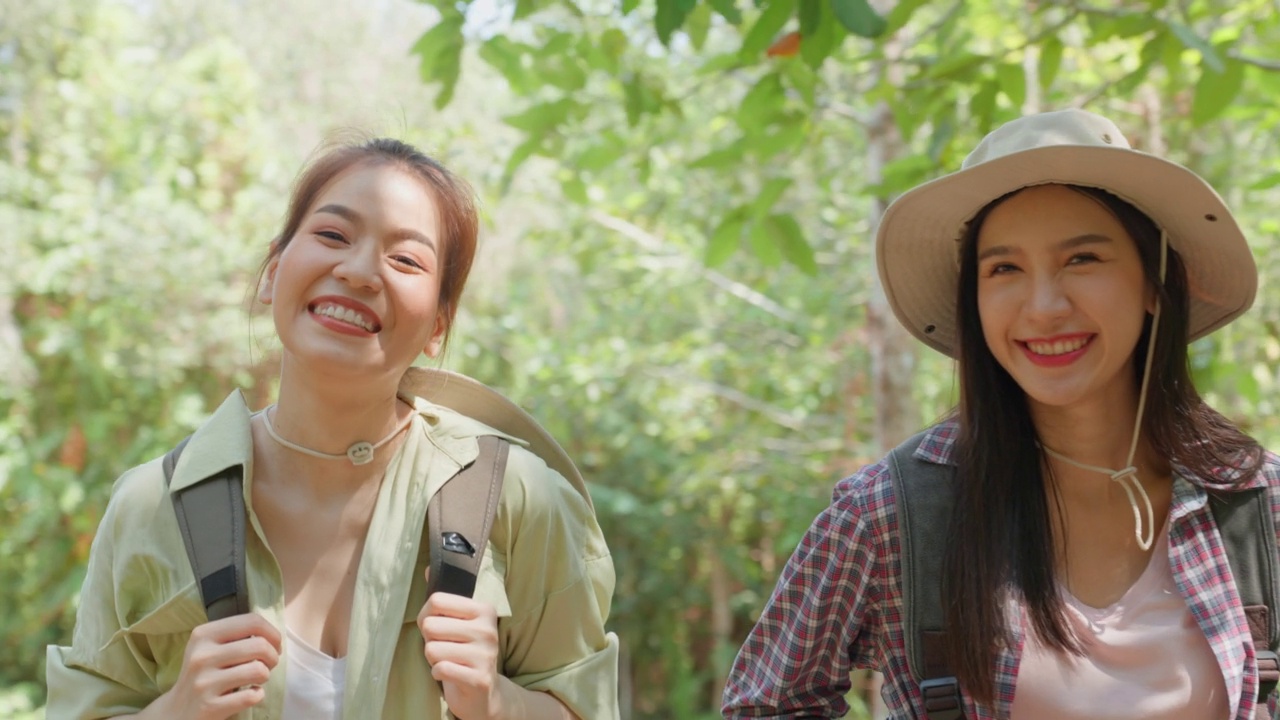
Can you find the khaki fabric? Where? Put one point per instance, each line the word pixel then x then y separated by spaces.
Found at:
pixel 547 571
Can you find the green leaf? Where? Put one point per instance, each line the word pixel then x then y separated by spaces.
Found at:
pixel 1193 41
pixel 1215 91
pixel 761 102
pixel 775 16
pixel 1266 183
pixel 574 189
pixel 788 137
pixel 787 235
pixel 603 154
pixel 629 6
pixel 763 245
pixel 902 174
pixel 944 129
pixel 726 238
pixel 768 197
pixel 982 105
pixel 525 8
pixel 728 10
pixel 634 100
pixel 859 18
pixel 816 47
pixel 539 119
pixel 722 158
pixel 670 16
pixel 955 65
pixel 440 56
pixel 698 24
pixel 1050 61
pixel 1013 82
pixel 810 16
pixel 523 152
pixel 507 58
pixel 901 14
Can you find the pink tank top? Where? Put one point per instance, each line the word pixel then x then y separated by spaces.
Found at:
pixel 1145 657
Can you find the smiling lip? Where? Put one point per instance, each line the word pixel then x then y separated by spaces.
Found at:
pixel 1056 351
pixel 353 317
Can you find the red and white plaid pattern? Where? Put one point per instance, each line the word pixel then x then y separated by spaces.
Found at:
pixel 838 605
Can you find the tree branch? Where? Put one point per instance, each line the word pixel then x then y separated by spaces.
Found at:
pixel 655 244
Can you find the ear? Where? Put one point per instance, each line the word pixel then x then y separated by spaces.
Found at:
pixel 438 335
pixel 1152 301
pixel 267 289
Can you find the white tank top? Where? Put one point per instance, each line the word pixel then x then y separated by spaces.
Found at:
pixel 1145 657
pixel 314 682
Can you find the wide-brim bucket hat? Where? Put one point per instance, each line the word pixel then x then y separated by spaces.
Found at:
pixel 917 246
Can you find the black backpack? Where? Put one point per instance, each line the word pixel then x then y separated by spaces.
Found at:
pixel 923 493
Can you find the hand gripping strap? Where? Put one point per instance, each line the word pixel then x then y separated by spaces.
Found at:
pixel 924 496
pixel 460 516
pixel 211 517
pixel 1248 534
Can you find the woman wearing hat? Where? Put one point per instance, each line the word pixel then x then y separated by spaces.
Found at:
pixel 363 279
pixel 1083 574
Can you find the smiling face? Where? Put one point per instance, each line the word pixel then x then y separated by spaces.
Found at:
pixel 357 287
pixel 1061 295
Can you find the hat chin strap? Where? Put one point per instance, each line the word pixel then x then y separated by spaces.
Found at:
pixel 1128 476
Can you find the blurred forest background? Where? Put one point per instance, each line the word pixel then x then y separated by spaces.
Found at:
pixel 676 274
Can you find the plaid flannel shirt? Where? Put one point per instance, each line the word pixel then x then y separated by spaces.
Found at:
pixel 838 605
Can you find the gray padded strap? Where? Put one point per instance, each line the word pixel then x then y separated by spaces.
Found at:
pixel 460 516
pixel 923 496
pixel 211 518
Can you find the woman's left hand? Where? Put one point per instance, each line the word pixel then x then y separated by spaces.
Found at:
pixel 461 637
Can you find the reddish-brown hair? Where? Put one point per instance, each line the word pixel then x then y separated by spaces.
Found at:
pixel 455 199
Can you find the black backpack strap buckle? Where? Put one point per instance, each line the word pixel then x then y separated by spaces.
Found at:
pixel 942 699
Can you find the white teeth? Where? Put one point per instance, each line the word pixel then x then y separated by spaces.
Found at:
pixel 346 315
pixel 1057 347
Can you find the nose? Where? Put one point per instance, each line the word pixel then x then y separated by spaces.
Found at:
pixel 361 267
pixel 1048 301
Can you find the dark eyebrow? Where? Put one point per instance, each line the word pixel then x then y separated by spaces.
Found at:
pixel 1086 239
pixel 1068 244
pixel 353 217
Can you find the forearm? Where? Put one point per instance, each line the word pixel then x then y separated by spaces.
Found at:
pixel 521 704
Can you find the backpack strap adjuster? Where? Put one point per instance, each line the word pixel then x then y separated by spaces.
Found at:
pixel 942 699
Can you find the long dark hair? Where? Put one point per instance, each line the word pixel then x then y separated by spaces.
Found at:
pixel 1004 548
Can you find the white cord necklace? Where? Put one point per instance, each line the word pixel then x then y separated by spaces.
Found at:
pixel 1128 476
pixel 359 453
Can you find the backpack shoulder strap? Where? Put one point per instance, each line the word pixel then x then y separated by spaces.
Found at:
pixel 211 517
pixel 1247 526
pixel 460 516
pixel 924 495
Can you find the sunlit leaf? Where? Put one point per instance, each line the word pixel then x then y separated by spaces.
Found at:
pixel 1215 90
pixel 901 14
pixel 1050 61
pixel 439 51
pixel 728 9
pixel 1192 40
pixel 769 195
pixel 726 239
pixel 698 24
pixel 766 28
pixel 1013 82
pixel 788 236
pixel 763 244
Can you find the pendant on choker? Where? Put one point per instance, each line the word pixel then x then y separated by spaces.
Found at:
pixel 360 453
